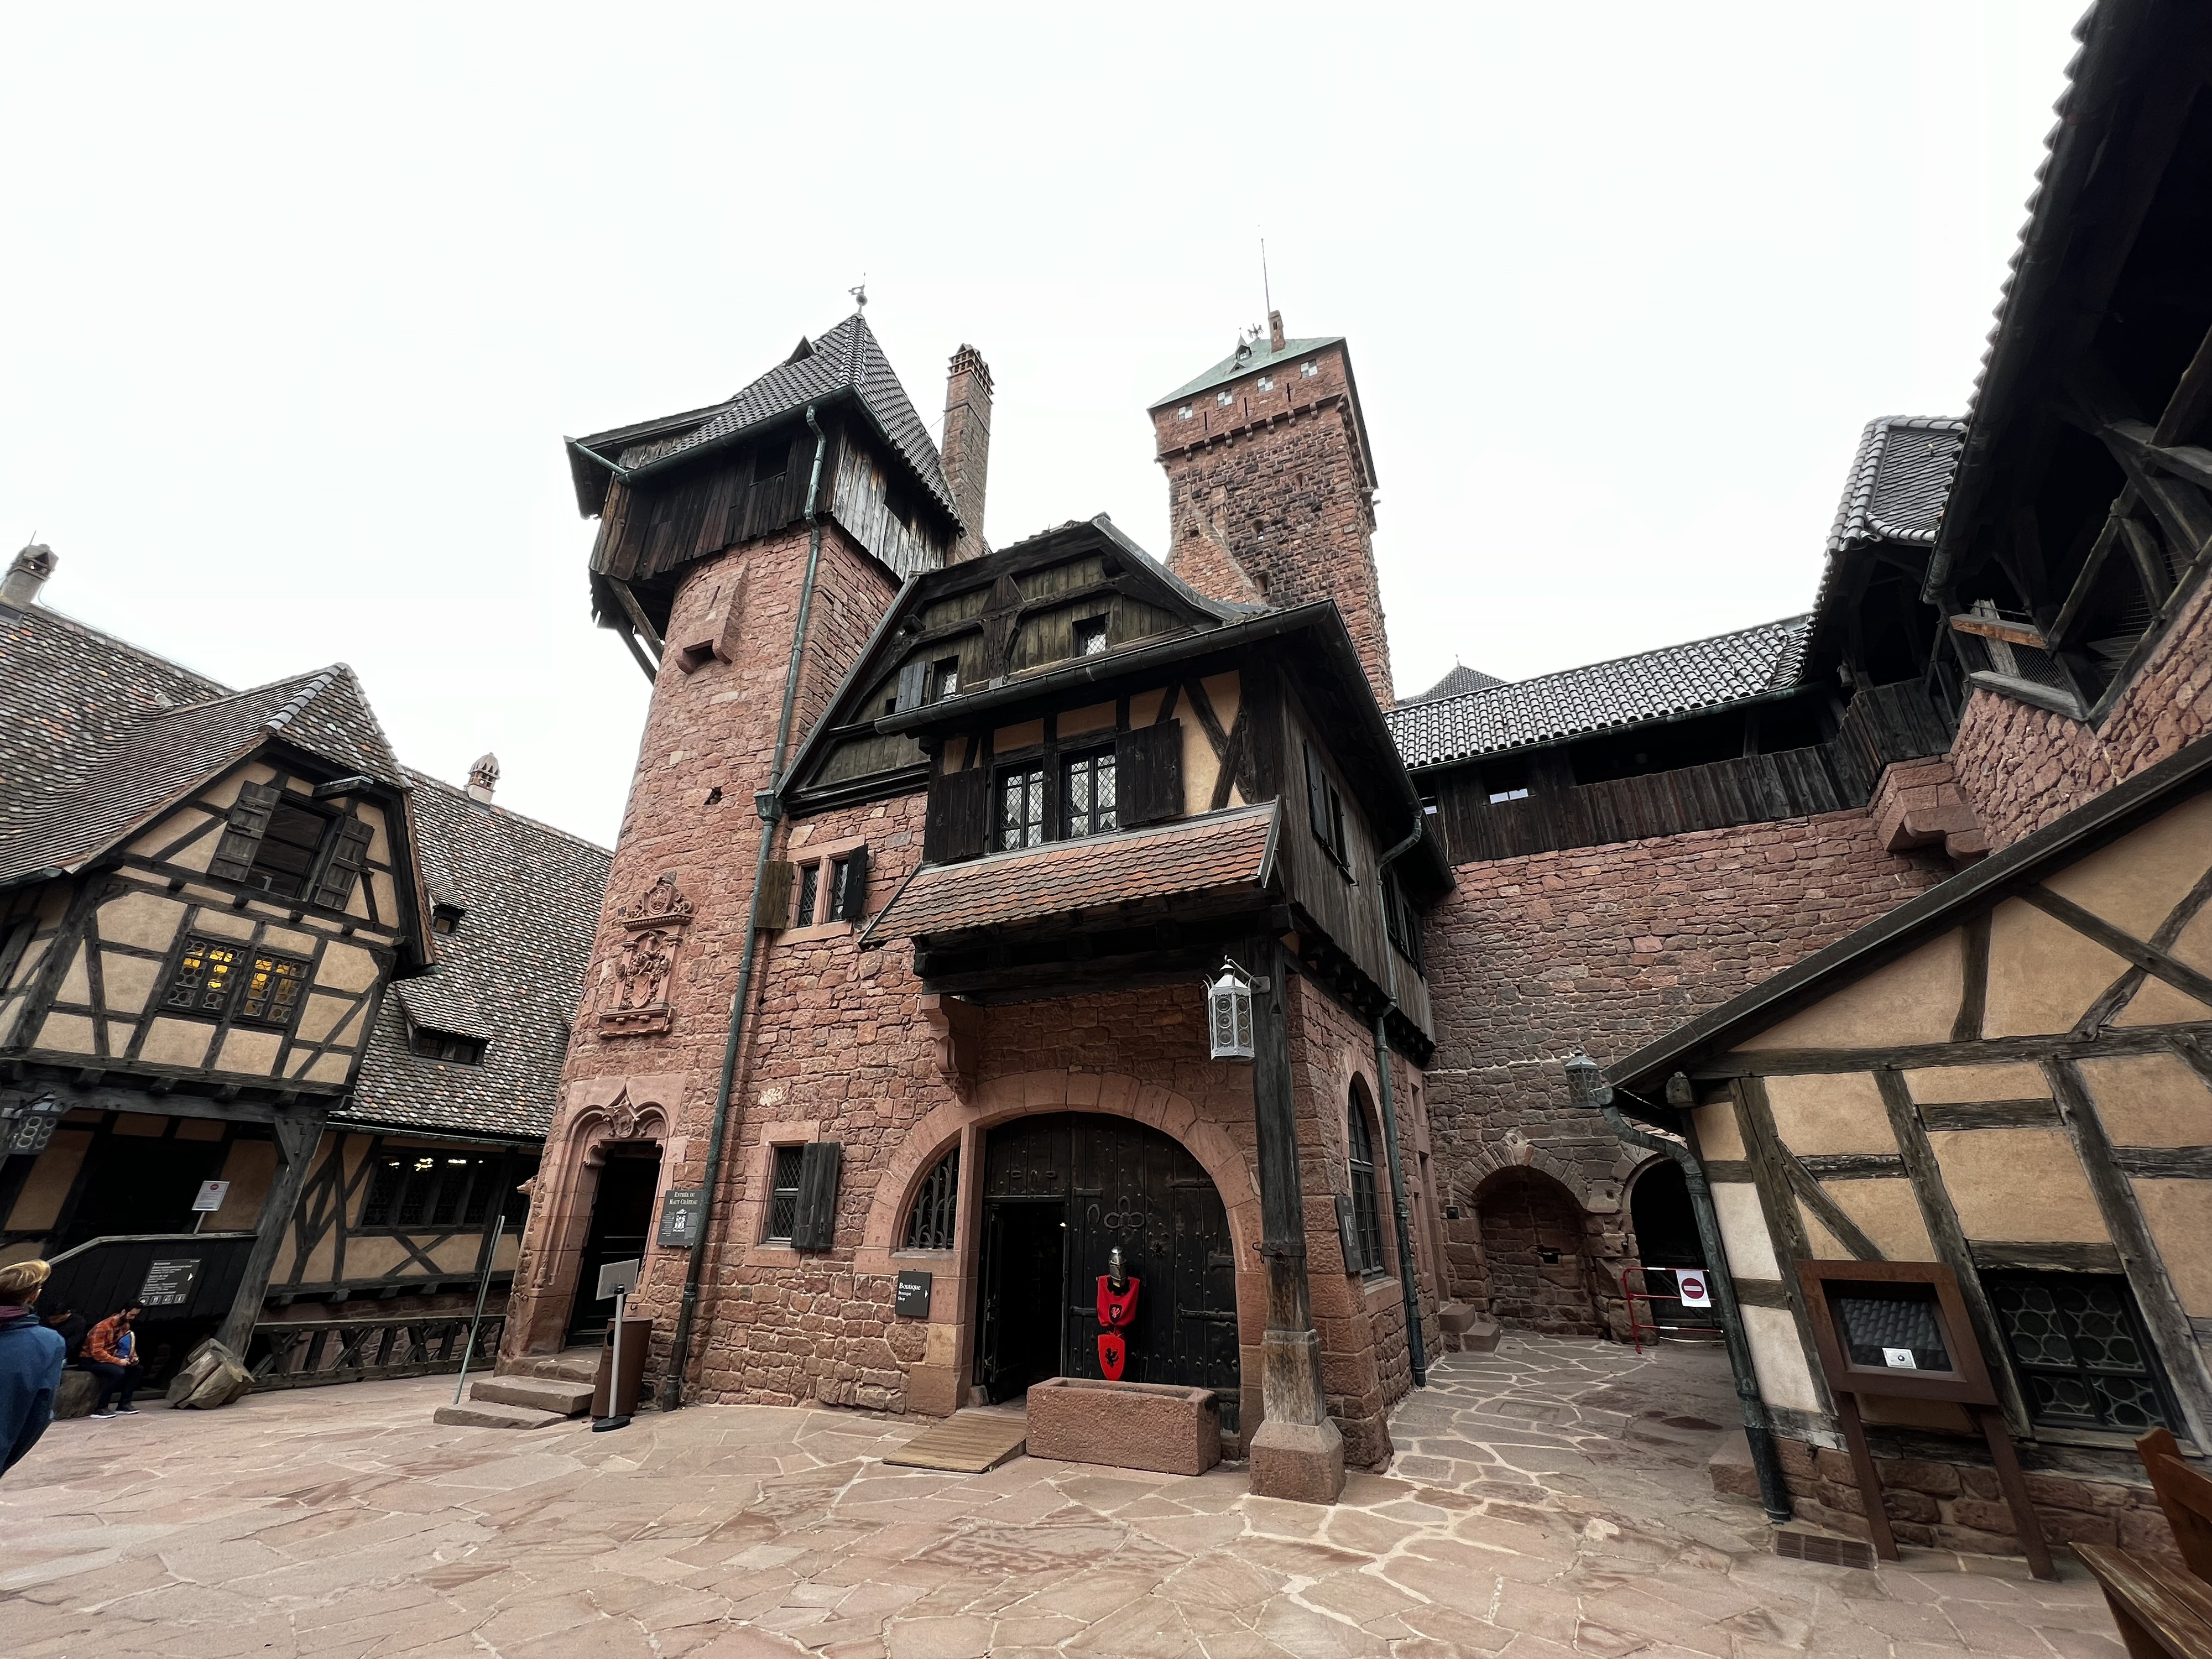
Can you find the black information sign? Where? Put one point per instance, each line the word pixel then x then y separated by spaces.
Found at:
pixel 913 1301
pixel 679 1216
pixel 169 1284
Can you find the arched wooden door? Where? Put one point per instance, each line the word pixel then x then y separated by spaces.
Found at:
pixel 1075 1185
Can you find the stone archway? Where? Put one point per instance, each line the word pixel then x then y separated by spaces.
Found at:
pixel 1537 1258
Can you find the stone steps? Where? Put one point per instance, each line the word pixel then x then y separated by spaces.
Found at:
pixel 489 1414
pixel 556 1394
pixel 570 1365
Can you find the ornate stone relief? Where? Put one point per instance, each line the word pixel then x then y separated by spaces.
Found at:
pixel 635 983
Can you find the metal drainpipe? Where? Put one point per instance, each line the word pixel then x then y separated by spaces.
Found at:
pixel 1774 1494
pixel 1416 1350
pixel 771 807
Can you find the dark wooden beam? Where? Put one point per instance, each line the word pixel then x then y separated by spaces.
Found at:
pixel 1786 1226
pixel 2156 962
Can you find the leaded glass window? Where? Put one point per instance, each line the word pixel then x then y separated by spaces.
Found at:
pixel 272 990
pixel 810 889
pixel 1021 808
pixel 203 977
pixel 783 1192
pixel 1086 794
pixel 2080 1351
pixel 1364 1210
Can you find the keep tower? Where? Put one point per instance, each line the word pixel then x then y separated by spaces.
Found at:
pixel 1271 485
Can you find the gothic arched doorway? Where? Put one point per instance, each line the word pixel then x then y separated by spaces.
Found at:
pixel 1059 1192
pixel 1533 1249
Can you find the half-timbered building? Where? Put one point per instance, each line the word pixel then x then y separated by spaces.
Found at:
pixel 280 1020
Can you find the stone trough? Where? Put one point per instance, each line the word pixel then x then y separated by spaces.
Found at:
pixel 1161 1426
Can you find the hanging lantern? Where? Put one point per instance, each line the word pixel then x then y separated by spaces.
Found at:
pixel 1229 1006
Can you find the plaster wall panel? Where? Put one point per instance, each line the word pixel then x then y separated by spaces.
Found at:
pixel 253 1052
pixel 346 968
pixel 2018 1184
pixel 1008 739
pixel 322 1262
pixel 176 1043
pixel 2043 975
pixel 457 1255
pixel 248 1167
pixel 321 1014
pixel 2159 1004
pixel 2150 1100
pixel 1888 1214
pixel 223 924
pixel 2179 1214
pixel 2136 882
pixel 66 1034
pixel 1913 1000
pixel 1145 706
pixel 331 1068
pixel 369 1256
pixel 1826 1246
pixel 1949 1084
pixel 289 939
pixel 2194 946
pixel 1743 1230
pixel 196 1128
pixel 1778 1359
pixel 1098 717
pixel 146 920
pixel 129 982
pixel 1836 1112
pixel 40 1202
pixel 204 827
pixel 76 980
pixel 1717 1134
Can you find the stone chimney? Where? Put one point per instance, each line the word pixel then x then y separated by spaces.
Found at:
pixel 483 777
pixel 1275 331
pixel 19 588
pixel 967 447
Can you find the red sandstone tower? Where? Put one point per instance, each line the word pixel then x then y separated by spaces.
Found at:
pixel 1271 484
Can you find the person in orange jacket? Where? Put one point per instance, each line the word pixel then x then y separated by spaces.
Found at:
pixel 111 1353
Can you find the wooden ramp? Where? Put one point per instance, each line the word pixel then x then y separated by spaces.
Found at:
pixel 966 1442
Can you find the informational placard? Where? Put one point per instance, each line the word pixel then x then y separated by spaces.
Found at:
pixel 1692 1289
pixel 211 1195
pixel 169 1283
pixel 913 1299
pixel 619 1278
pixel 679 1216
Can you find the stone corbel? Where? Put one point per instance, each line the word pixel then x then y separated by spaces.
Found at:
pixel 959 1028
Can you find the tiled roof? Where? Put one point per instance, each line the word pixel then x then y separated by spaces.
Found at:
pixel 1899 480
pixel 1675 680
pixel 512 973
pixel 95 733
pixel 1248 358
pixel 848 355
pixel 1462 679
pixel 1217 852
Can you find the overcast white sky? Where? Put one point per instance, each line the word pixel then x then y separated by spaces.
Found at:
pixel 300 300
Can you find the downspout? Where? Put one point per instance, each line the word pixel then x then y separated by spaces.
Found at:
pixel 770 805
pixel 1416 1350
pixel 1585 1083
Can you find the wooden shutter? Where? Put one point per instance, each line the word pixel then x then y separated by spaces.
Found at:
pixel 348 852
pixel 1317 797
pixel 855 896
pixel 816 1221
pixel 241 838
pixel 959 816
pixel 912 685
pixel 1148 774
pixel 773 909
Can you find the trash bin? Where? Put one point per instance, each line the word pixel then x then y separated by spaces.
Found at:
pixel 636 1345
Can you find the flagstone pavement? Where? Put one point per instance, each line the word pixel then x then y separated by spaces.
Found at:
pixel 1546 1500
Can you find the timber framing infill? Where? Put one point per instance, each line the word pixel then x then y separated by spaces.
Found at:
pixel 1941 1219
pixel 2161 1307
pixel 1786 1226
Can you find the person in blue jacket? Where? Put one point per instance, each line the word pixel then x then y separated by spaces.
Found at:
pixel 30 1361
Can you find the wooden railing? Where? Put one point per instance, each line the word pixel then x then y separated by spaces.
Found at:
pixel 306 1353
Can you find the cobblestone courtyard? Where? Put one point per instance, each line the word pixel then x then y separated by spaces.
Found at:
pixel 1548 1498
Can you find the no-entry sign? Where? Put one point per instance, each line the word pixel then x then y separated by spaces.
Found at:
pixel 1691 1288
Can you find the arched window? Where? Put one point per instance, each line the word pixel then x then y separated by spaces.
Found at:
pixel 1366 1222
pixel 936 1205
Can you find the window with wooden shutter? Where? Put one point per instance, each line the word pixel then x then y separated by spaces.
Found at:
pixel 1324 807
pixel 774 910
pixel 959 816
pixel 912 685
pixel 819 1164
pixel 810 894
pixel 342 866
pixel 1148 774
pixel 848 891
pixel 241 837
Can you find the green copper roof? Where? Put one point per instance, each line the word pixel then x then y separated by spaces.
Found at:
pixel 1247 360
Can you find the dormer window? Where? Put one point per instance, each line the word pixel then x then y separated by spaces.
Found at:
pixel 287 850
pixel 275 843
pixel 447 1046
pixel 1090 636
pixel 446 918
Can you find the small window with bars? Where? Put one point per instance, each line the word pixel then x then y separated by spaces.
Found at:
pixel 929 1225
pixel 1367 1219
pixel 272 989
pixel 1021 808
pixel 1086 794
pixel 1090 636
pixel 783 1192
pixel 426 1190
pixel 2079 1348
pixel 203 977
